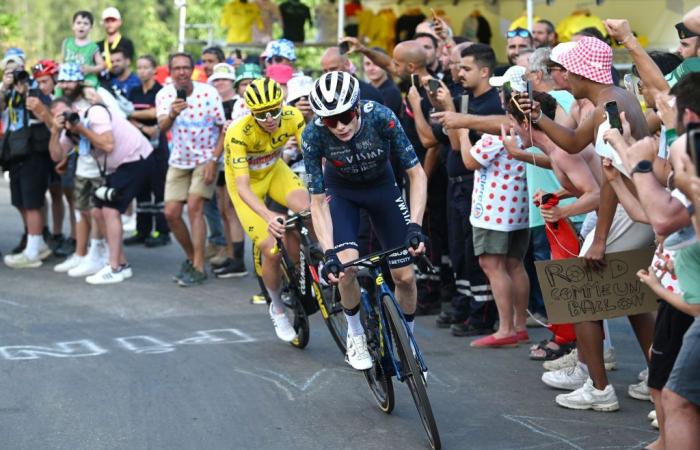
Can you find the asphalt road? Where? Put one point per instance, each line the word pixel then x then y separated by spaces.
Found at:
pixel 148 365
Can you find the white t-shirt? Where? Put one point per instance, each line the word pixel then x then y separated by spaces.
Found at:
pixel 196 129
pixel 500 198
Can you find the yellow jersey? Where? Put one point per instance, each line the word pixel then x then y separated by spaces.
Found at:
pixel 250 150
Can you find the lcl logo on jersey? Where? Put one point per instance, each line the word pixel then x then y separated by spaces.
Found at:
pixel 281 139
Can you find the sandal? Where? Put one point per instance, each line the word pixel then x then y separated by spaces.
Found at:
pixel 550 353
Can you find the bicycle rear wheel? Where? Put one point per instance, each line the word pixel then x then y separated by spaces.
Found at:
pixel 378 380
pixel 297 317
pixel 411 371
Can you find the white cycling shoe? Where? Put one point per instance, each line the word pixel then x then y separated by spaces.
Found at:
pixel 357 355
pixel 283 328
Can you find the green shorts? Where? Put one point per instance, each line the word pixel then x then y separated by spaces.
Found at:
pixel 84 192
pixel 513 244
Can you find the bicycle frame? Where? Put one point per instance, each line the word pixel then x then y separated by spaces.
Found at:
pixel 390 364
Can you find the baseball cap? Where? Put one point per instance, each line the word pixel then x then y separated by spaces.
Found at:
pixel 688 66
pixel 13 54
pixel 70 71
pixel 111 13
pixel 592 59
pixel 222 71
pixel 299 86
pixel 514 75
pixel 281 47
pixel 559 50
pixel 247 72
pixel 281 73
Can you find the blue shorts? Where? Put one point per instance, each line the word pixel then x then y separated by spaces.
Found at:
pixel 387 211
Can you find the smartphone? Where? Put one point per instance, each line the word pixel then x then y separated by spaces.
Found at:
pixel 529 90
pixel 344 47
pixel 182 94
pixel 433 85
pixel 238 54
pixel 613 115
pixel 464 104
pixel 34 92
pixel 693 145
pixel 415 80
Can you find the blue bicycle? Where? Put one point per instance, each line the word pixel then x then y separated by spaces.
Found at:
pixel 392 346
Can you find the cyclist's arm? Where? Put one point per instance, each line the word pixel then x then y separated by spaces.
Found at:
pixel 321 218
pixel 418 192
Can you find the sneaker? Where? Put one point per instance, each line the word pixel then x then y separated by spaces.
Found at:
pixel 563 362
pixel 157 239
pixel 258 299
pixel 106 275
pixel 192 278
pixel 652 415
pixel 588 397
pixel 640 391
pixel 644 374
pixel 445 320
pixel 568 379
pixel 135 239
pixel 88 266
pixel 21 246
pixel 283 328
pixel 534 320
pixel 125 270
pixel 55 240
pixel 22 261
pixel 234 269
pixel 216 267
pixel 357 355
pixel 45 252
pixel 185 267
pixel 72 261
pixel 609 359
pixel 65 248
pixel 655 423
pixel 466 329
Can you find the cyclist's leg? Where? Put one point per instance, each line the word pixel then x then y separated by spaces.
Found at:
pixel 287 189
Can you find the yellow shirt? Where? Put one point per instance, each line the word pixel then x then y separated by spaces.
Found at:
pixel 250 150
pixel 239 18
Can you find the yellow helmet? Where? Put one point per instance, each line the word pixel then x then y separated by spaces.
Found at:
pixel 263 94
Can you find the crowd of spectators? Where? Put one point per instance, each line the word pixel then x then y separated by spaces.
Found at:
pixel 511 152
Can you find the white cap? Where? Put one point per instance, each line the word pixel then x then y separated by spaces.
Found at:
pixel 559 50
pixel 299 86
pixel 222 71
pixel 111 13
pixel 514 75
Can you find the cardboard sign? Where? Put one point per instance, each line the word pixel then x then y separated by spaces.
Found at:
pixel 574 293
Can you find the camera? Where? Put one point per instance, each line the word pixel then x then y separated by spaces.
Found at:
pixel 71 117
pixel 106 194
pixel 20 76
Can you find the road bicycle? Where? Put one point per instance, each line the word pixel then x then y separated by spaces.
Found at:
pixel 392 346
pixel 302 291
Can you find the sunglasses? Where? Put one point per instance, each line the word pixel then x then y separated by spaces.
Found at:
pixel 683 32
pixel 344 118
pixel 267 115
pixel 521 32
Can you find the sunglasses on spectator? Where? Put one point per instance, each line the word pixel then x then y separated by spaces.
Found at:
pixel 521 32
pixel 267 115
pixel 683 32
pixel 344 118
pixel 552 67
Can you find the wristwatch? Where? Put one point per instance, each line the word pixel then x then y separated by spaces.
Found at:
pixel 643 166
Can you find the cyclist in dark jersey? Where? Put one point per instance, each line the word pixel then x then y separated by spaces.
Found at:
pixel 346 153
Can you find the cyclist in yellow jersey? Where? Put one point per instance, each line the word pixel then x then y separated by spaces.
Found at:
pixel 254 169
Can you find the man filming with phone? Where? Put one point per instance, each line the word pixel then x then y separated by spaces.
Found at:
pixel 123 157
pixel 194 113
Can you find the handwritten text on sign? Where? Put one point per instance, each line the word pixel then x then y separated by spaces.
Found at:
pixel 573 293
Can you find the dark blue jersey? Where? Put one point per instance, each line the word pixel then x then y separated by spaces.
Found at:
pixel 361 161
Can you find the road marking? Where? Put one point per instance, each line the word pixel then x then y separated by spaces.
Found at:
pixel 139 344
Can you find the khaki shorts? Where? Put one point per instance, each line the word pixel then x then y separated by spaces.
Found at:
pixel 84 192
pixel 181 183
pixel 513 244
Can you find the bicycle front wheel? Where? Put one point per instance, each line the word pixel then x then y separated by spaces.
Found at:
pixel 298 318
pixel 378 380
pixel 332 313
pixel 411 371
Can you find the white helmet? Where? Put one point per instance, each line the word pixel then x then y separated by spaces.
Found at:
pixel 334 93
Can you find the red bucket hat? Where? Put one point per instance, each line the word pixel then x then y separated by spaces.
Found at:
pixel 591 59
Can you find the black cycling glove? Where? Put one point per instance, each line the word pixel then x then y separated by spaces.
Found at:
pixel 331 265
pixel 414 235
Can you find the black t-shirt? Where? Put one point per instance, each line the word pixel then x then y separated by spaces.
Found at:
pixel 145 100
pixel 500 70
pixel 409 125
pixel 391 95
pixel 124 44
pixel 406 26
pixel 486 104
pixel 369 92
pixel 294 16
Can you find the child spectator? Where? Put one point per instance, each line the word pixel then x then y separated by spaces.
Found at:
pixel 82 50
